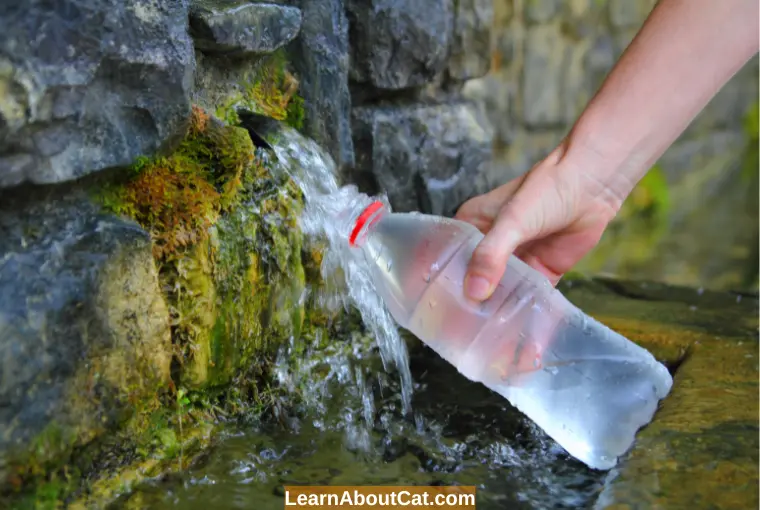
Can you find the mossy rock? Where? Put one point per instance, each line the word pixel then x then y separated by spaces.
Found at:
pixel 214 224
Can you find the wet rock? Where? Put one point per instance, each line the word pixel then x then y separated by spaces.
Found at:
pixel 242 28
pixel 320 58
pixel 90 85
pixel 471 40
pixel 84 329
pixel 427 157
pixel 704 437
pixel 398 44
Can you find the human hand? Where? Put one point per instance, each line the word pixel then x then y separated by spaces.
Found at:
pixel 550 218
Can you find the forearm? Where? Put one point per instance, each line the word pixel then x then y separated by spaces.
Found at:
pixel 685 52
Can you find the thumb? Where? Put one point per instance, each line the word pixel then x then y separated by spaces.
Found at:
pixel 519 220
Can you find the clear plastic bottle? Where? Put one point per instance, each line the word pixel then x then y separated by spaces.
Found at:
pixel 586 386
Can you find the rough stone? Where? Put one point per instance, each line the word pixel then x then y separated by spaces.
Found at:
pixel 498 98
pixel 320 58
pixel 541 11
pixel 429 157
pixel 397 44
pixel 700 451
pixel 87 85
pixel 627 14
pixel 599 60
pixel 471 41
pixel 84 329
pixel 242 28
pixel 542 80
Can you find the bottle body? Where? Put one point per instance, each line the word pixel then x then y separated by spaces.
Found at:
pixel 586 386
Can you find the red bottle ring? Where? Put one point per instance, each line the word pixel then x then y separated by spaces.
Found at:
pixel 362 220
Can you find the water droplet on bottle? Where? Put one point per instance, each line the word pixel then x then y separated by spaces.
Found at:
pixel 537 362
pixel 434 267
pixel 426 277
pixel 432 303
pixel 390 264
pixel 552 370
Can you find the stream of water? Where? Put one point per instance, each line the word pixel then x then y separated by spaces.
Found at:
pixel 360 416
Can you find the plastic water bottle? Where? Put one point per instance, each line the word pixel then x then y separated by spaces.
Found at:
pixel 586 386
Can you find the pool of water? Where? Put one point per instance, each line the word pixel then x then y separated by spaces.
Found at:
pixel 458 433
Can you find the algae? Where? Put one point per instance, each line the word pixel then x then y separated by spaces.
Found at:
pixel 271 90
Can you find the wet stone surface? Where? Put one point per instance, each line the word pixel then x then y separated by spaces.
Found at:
pixel 699 452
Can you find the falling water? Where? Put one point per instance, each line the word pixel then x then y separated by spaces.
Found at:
pixel 328 215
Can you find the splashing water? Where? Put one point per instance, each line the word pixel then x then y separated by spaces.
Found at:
pixel 329 212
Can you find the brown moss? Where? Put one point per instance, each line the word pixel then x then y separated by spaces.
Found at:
pixel 177 198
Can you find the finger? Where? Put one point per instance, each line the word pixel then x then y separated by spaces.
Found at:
pixel 536 263
pixel 520 220
pixel 489 259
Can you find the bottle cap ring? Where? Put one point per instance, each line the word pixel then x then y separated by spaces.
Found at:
pixel 365 215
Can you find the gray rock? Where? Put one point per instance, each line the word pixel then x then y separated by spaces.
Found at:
pixel 599 60
pixel 399 44
pixel 542 84
pixel 90 84
pixel 428 158
pixel 541 11
pixel 320 59
pixel 471 41
pixel 627 14
pixel 497 93
pixel 242 28
pixel 84 329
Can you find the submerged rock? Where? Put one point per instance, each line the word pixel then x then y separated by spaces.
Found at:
pixel 90 85
pixel 242 28
pixel 84 329
pixel 426 157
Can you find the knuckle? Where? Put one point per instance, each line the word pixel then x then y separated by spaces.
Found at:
pixel 486 258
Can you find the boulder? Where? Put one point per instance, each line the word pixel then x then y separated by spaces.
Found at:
pixel 242 28
pixel 84 329
pixel 89 85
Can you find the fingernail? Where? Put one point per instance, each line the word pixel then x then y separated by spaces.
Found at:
pixel 477 288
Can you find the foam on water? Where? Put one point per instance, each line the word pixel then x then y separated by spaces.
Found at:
pixel 328 215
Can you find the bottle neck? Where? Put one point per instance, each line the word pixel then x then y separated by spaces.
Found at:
pixel 365 222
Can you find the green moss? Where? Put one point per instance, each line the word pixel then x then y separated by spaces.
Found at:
pixel 231 266
pixel 270 90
